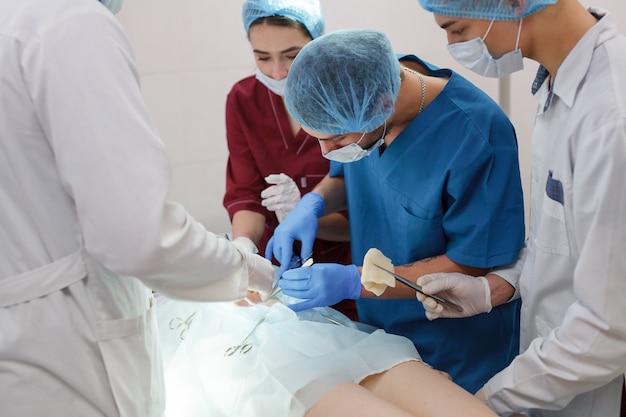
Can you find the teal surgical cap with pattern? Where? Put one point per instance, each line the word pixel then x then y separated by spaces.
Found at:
pixel 486 9
pixel 307 12
pixel 342 82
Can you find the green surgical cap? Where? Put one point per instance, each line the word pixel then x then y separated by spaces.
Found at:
pixel 485 9
pixel 342 82
pixel 307 12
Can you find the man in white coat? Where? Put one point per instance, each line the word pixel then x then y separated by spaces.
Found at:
pixel 573 282
pixel 85 228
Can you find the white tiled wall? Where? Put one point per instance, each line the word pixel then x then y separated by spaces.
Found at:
pixel 190 52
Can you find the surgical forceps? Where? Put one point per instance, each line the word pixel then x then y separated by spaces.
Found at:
pixel 418 288
pixel 184 323
pixel 244 346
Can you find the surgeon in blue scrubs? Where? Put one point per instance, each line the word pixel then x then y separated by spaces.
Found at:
pixel 427 166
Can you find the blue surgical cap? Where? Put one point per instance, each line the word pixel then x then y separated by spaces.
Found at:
pixel 485 9
pixel 307 12
pixel 342 82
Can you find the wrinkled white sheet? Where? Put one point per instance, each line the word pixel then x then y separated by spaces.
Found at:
pixel 295 360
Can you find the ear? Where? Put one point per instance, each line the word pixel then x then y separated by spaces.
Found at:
pixel 519 6
pixel 386 104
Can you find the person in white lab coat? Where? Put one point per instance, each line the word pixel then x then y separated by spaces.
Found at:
pixel 572 283
pixel 85 228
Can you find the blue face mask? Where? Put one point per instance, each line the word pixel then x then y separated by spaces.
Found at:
pixel 475 56
pixel 113 5
pixel 275 86
pixel 353 152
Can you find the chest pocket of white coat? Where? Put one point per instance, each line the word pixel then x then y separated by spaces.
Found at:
pixel 132 359
pixel 552 232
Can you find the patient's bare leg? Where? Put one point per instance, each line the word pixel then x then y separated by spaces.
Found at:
pixel 409 389
pixel 352 400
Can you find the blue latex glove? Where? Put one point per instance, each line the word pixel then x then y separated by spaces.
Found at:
pixel 321 285
pixel 300 224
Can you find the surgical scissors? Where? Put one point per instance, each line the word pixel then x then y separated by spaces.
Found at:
pixel 297 262
pixel 185 323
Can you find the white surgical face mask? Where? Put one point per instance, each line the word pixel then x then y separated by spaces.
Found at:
pixel 353 152
pixel 113 5
pixel 275 86
pixel 475 56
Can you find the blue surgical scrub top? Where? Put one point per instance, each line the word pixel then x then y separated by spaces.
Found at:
pixel 448 184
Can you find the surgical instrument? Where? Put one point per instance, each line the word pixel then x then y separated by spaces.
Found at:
pixel 185 323
pixel 244 346
pixel 297 262
pixel 418 288
pixel 333 321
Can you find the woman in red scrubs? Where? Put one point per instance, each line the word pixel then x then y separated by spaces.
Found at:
pixel 272 161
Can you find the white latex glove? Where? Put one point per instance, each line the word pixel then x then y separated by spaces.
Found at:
pixel 260 270
pixel 245 244
pixel 471 293
pixel 280 197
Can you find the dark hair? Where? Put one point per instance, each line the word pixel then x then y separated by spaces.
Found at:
pixel 280 21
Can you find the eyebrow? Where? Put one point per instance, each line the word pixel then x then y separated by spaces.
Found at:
pixel 333 137
pixel 292 49
pixel 447 24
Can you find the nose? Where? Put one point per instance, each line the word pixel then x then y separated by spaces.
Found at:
pixel 280 69
pixel 326 146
